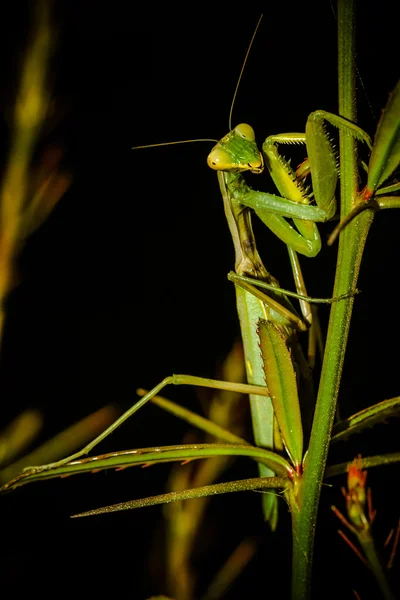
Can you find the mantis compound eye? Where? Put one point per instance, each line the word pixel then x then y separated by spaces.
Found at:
pixel 245 131
pixel 220 160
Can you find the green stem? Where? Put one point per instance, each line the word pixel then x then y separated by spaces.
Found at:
pixel 367 543
pixel 351 245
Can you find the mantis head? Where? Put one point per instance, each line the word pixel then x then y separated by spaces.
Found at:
pixel 237 152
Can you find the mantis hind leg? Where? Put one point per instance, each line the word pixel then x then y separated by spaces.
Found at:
pixel 174 380
pixel 309 311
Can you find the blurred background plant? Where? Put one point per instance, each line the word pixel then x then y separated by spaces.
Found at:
pixel 32 184
pixel 361 516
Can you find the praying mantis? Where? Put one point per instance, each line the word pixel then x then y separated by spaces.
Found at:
pixel 238 152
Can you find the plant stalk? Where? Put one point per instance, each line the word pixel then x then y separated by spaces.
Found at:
pixel 351 245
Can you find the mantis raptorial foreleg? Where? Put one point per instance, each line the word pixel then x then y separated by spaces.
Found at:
pixel 237 152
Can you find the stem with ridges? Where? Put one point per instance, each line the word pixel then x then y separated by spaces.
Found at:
pixel 351 245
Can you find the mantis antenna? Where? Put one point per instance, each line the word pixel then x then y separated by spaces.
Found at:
pixel 173 143
pixel 241 71
pixel 231 109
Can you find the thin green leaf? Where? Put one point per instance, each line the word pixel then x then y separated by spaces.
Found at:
pixel 256 483
pixel 281 383
pixel 367 462
pixel 147 456
pixel 366 418
pixel 385 156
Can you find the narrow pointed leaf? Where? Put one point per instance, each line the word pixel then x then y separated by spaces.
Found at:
pixel 385 156
pixel 281 383
pixel 147 456
pixel 242 485
pixel 366 418
pixel 367 462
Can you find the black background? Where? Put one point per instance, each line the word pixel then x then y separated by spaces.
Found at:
pixel 126 281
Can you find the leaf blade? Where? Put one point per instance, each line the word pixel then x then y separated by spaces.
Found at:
pixel 281 383
pixel 385 155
